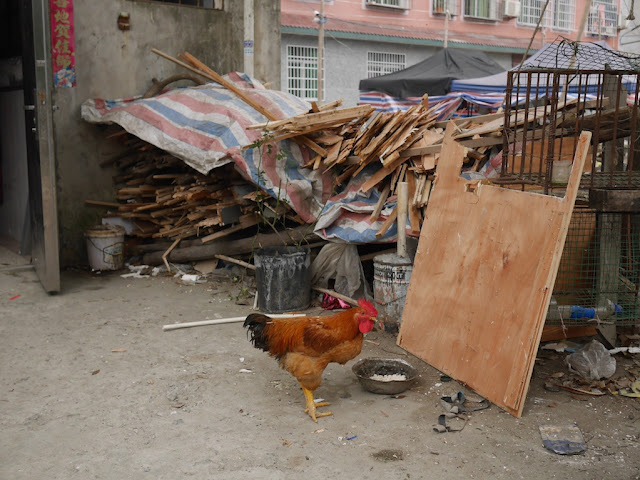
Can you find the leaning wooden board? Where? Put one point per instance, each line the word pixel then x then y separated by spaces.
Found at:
pixel 483 276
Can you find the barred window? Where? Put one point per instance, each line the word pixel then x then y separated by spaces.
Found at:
pixel 302 72
pixel 603 18
pixel 441 7
pixel 211 4
pixel 559 15
pixel 564 14
pixel 389 3
pixel 380 63
pixel 484 9
pixel 530 11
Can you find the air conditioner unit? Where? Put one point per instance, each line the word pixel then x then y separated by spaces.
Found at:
pixel 622 21
pixel 610 31
pixel 511 8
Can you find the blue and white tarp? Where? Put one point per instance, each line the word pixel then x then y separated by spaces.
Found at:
pixel 452 105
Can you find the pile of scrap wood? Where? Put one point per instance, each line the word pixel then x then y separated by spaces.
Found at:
pixel 165 198
pixel 405 144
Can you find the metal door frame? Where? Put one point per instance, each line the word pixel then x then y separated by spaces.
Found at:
pixel 40 144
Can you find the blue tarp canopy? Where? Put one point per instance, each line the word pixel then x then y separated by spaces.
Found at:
pixel 591 56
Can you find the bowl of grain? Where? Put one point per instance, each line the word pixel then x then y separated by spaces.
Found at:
pixel 387 376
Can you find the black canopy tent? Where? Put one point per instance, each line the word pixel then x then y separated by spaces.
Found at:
pixel 434 74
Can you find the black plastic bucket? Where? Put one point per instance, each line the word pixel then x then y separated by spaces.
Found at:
pixel 283 278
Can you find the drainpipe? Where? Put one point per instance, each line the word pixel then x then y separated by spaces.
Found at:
pixel 576 312
pixel 248 37
pixel 446 27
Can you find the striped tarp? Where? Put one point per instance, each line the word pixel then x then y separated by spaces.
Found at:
pixel 448 106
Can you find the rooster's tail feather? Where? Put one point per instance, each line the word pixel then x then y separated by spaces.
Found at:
pixel 256 324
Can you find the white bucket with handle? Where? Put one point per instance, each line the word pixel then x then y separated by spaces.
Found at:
pixel 105 247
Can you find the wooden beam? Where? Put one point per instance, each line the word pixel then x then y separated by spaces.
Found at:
pixel 380 204
pixel 615 200
pixel 387 223
pixel 230 86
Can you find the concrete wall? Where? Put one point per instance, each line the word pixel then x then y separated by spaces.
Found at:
pixel 267 29
pixel 111 63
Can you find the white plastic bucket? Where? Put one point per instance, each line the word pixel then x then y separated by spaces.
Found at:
pixel 391 277
pixel 561 172
pixel 105 247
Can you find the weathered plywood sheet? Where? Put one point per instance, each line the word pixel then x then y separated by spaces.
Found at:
pixel 483 276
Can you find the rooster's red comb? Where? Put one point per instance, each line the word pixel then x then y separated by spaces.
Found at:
pixel 368 307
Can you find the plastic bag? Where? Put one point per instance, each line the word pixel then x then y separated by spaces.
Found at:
pixel 592 362
pixel 341 262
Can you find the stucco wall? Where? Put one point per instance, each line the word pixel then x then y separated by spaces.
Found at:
pixel 111 63
pixel 267 42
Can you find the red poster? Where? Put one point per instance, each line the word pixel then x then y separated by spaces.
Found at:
pixel 63 51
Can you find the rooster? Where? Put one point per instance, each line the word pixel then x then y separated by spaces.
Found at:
pixel 304 346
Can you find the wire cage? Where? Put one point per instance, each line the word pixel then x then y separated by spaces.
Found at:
pixel 598 276
pixel 567 88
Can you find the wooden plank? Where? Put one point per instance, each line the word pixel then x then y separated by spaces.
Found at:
pixel 332 154
pixel 477 119
pixel 550 333
pixel 386 225
pixel 417 151
pixel 426 193
pixel 308 119
pixel 381 174
pixel 100 203
pixel 330 105
pixel 380 204
pixel 201 69
pixel 209 73
pixel 414 213
pixel 486 291
pixel 533 114
pixel 245 222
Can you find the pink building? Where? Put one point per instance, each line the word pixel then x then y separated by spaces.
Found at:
pixel 365 38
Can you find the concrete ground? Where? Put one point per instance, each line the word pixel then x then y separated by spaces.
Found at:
pixel 93 388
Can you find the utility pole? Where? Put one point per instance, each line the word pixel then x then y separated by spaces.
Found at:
pixel 321 21
pixel 446 26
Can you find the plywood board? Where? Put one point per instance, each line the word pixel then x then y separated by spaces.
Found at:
pixel 483 276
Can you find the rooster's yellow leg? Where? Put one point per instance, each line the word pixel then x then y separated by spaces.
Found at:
pixel 311 406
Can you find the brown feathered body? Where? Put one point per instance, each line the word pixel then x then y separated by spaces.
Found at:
pixel 304 346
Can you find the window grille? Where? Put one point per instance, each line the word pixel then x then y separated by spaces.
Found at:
pixel 483 9
pixel 380 63
pixel 211 4
pixel 302 72
pixel 530 11
pixel 389 3
pixel 564 14
pixel 559 15
pixel 441 6
pixel 603 18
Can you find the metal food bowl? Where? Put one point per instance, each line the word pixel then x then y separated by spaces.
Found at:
pixel 367 367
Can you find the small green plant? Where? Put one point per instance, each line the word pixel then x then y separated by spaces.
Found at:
pixel 273 216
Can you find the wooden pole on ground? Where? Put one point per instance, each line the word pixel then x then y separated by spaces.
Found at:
pixel 403 200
